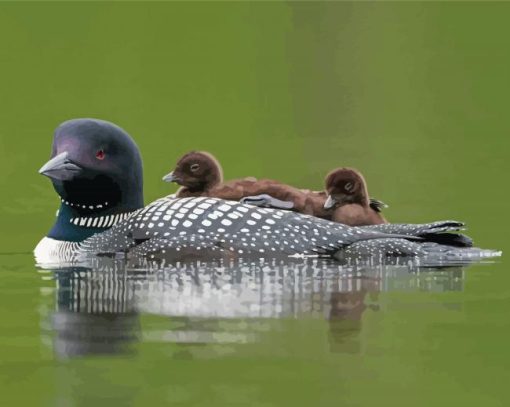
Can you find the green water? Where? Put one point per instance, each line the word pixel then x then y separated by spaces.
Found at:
pixel 413 94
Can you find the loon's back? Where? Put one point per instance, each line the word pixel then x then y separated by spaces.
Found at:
pixel 213 224
pixel 190 226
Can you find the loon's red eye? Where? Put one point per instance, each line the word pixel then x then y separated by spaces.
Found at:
pixel 100 155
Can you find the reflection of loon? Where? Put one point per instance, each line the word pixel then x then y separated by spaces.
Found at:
pixel 235 288
pixel 95 313
pixel 97 308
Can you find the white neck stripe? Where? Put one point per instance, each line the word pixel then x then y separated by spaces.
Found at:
pixel 100 221
pixel 98 206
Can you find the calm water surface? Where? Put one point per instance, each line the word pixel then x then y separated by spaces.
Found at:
pixel 251 332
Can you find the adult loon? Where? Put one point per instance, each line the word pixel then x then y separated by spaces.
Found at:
pixel 96 169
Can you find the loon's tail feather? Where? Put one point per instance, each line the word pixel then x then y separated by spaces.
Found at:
pixel 448 239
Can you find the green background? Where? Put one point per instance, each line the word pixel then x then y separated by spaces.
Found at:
pixel 413 94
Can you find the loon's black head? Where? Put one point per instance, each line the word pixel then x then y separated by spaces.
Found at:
pixel 96 169
pixel 345 186
pixel 196 170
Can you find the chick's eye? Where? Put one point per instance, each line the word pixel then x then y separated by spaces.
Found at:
pixel 349 187
pixel 194 167
pixel 100 155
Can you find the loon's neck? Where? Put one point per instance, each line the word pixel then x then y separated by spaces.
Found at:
pixel 74 226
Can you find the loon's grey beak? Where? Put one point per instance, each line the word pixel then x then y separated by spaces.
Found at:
pixel 330 202
pixel 170 177
pixel 60 167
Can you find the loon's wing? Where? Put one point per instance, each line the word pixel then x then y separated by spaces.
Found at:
pixel 417 229
pixel 188 223
pixel 380 248
pixel 377 205
pixel 436 232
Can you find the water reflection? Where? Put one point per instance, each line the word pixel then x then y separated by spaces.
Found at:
pixel 95 312
pixel 98 307
pixel 346 311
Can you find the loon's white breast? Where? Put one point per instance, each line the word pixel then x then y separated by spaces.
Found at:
pixel 50 250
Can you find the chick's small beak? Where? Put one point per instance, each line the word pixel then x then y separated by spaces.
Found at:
pixel 61 168
pixel 330 202
pixel 170 177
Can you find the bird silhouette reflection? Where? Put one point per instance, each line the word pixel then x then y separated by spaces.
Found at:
pixel 98 305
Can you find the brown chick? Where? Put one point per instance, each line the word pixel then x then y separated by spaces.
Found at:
pixel 347 196
pixel 200 174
